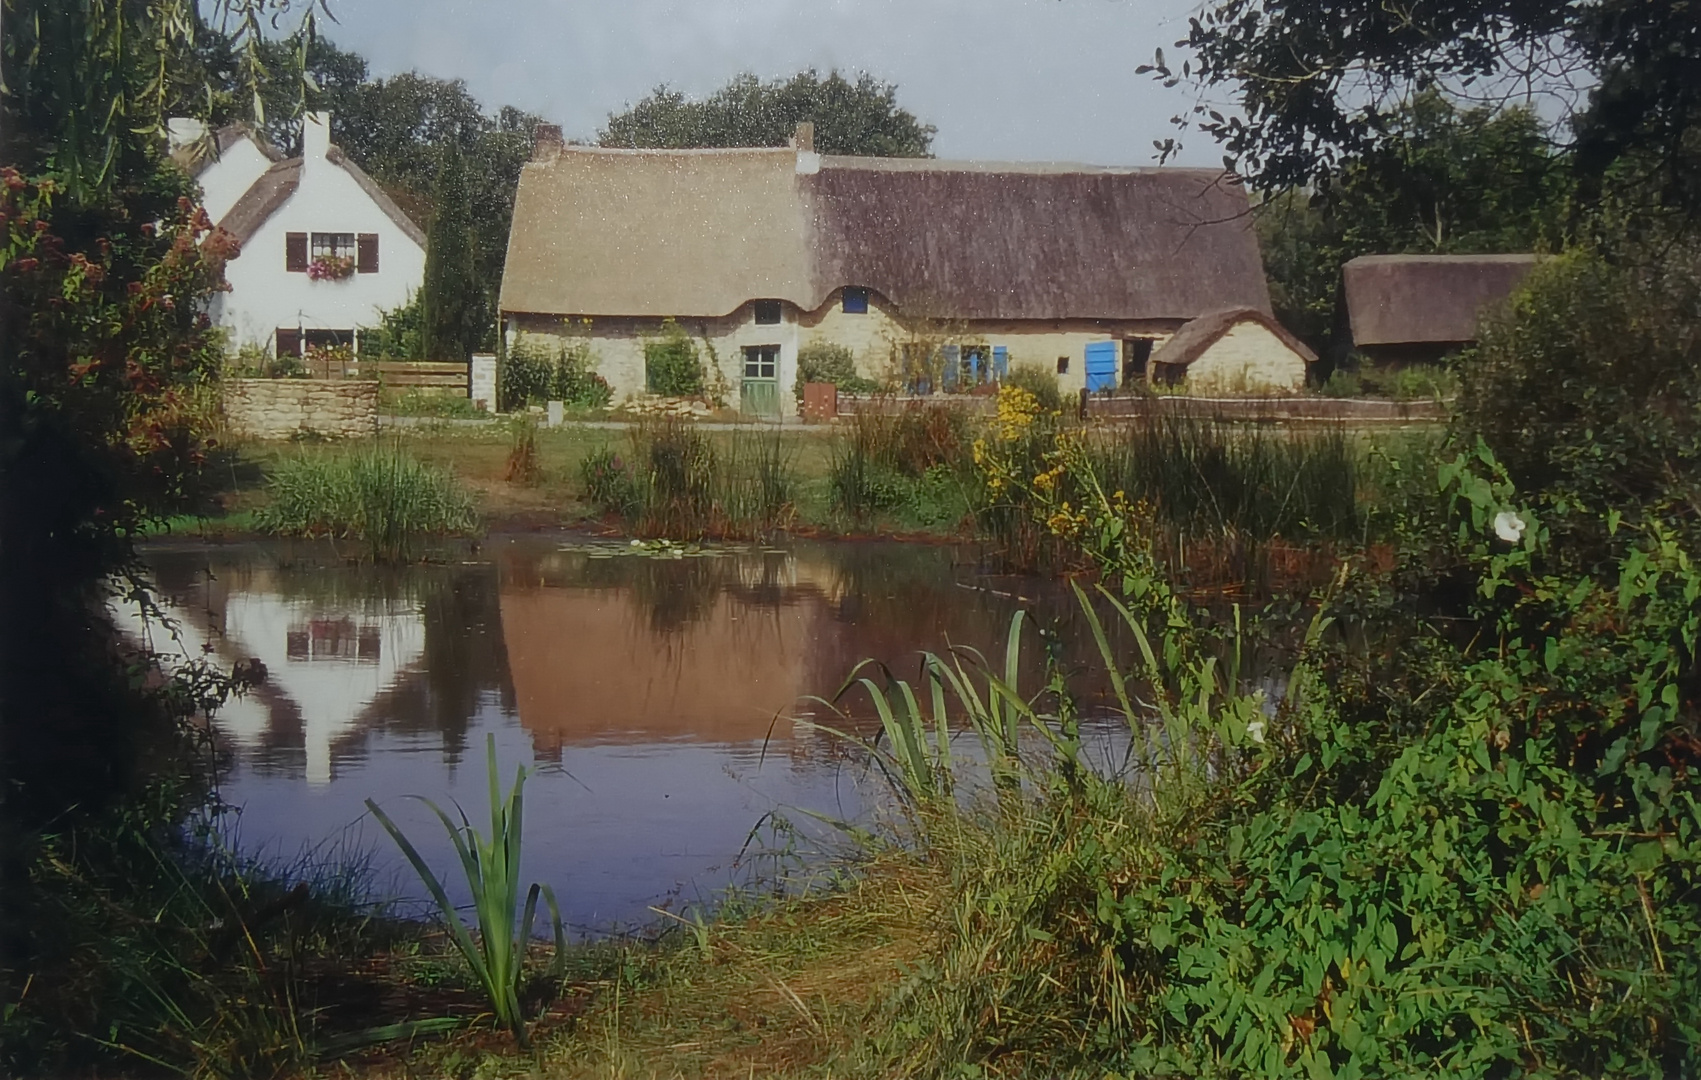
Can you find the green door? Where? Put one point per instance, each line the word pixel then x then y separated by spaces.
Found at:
pixel 759 391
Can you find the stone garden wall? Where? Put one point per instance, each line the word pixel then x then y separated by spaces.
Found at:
pixel 283 408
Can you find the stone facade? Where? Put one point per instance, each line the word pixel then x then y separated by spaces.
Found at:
pixel 1247 359
pixel 284 408
pixel 876 338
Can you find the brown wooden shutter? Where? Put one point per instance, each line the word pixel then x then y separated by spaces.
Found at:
pixel 289 341
pixel 295 252
pixel 366 261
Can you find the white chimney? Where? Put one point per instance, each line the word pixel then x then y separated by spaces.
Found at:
pixel 182 131
pixel 315 138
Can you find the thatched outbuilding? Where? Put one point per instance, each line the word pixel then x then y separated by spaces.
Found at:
pixel 938 273
pixel 1420 308
pixel 1234 351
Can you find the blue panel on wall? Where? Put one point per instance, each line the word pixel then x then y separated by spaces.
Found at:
pixel 1101 366
pixel 953 355
pixel 1000 362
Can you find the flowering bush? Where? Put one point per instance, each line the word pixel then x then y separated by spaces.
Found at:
pixel 330 268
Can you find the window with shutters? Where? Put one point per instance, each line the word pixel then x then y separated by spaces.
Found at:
pixel 295 252
pixel 366 258
pixel 288 341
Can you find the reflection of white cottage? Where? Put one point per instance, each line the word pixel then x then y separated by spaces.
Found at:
pixel 325 665
pixel 323 249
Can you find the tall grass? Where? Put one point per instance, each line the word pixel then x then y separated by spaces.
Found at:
pixel 885 456
pixel 679 482
pixel 1206 477
pixel 492 868
pixel 380 495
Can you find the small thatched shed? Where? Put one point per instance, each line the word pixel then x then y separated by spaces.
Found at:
pixel 1407 308
pixel 1235 350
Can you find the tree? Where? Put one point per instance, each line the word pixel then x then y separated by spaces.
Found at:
pixel 1319 84
pixel 861 117
pixel 1444 181
pixel 449 298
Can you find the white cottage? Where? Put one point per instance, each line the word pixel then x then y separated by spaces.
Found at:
pixel 323 249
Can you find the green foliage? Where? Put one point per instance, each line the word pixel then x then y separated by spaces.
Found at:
pixel 492 868
pixel 672 366
pixel 448 300
pixel 1318 86
pixel 1039 381
pixel 381 496
pixel 678 484
pixel 907 461
pixel 400 333
pixel 861 117
pixel 824 362
pixel 1205 478
pixel 417 402
pixel 1588 388
pixel 533 373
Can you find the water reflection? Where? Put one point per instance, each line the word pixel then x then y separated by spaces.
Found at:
pixel 659 691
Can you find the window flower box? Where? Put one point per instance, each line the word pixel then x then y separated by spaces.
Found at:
pixel 330 268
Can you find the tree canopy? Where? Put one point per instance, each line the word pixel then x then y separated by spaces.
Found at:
pixel 861 117
pixel 1320 84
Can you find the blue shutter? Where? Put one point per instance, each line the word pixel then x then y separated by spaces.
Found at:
pixel 1101 366
pixel 1000 362
pixel 953 362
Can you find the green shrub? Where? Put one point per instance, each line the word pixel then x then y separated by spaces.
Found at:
pixel 381 496
pixel 824 362
pixel 415 402
pixel 399 334
pixel 672 367
pixel 1589 386
pixel 1038 381
pixel 526 376
pixel 1342 383
pixel 576 380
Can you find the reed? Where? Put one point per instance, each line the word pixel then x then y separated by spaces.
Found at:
pixel 381 496
pixel 679 483
pixel 492 868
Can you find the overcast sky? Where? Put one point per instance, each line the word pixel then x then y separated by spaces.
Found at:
pixel 1001 79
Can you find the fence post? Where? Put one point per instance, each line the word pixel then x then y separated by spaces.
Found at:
pixel 481 382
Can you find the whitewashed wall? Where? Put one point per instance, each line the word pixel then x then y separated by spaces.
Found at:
pixel 264 296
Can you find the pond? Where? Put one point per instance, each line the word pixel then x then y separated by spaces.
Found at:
pixel 654 694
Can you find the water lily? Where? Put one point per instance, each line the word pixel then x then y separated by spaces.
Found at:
pixel 1509 526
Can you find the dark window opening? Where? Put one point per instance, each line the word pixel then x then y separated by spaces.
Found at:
pixel 767 312
pixel 1135 353
pixel 336 245
pixel 288 342
pixel 761 361
pixel 855 301
pixel 1063 365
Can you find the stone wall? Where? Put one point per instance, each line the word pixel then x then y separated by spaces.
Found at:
pixel 282 408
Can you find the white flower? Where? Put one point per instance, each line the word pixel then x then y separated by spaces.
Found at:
pixel 1255 731
pixel 1508 526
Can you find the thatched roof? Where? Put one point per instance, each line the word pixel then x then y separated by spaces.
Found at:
pixel 279 182
pixel 698 233
pixel 1190 342
pixel 195 157
pixel 1410 299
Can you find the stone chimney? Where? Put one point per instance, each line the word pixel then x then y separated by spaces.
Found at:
pixel 184 131
pixel 547 142
pixel 315 139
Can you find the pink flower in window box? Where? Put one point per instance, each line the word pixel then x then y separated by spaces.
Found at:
pixel 330 268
